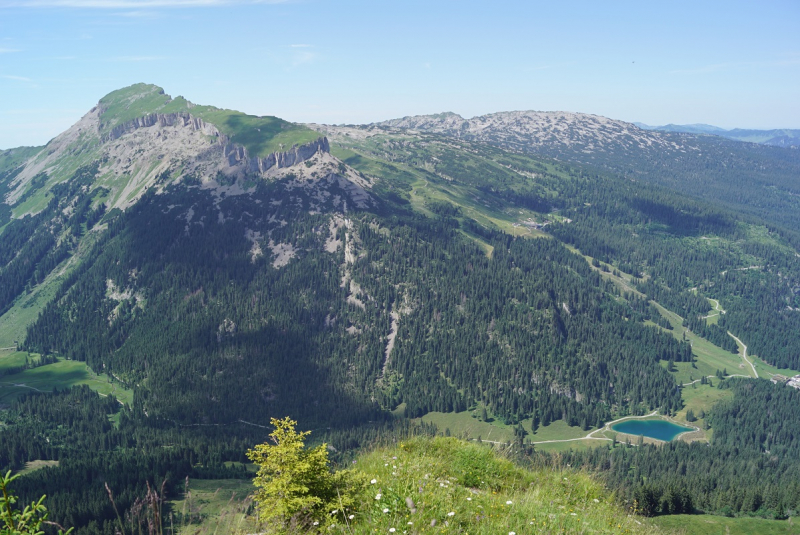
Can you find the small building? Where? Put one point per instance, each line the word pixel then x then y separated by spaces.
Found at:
pixel 794 382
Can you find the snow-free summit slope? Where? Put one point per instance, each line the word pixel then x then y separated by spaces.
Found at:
pixel 752 178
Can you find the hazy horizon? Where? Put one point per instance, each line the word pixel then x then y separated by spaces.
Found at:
pixel 731 65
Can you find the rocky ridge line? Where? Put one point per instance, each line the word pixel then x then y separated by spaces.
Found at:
pixel 235 154
pixel 525 130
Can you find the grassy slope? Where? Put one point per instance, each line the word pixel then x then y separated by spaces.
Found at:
pixel 460 487
pixel 484 492
pixel 260 135
pixel 12 158
pixel 32 466
pixel 423 187
pixel 26 309
pixel 767 370
pixel 59 375
pixel 710 357
pixel 62 374
pixel 720 525
pixel 462 424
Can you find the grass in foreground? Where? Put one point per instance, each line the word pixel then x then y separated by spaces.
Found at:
pixel 720 525
pixel 445 485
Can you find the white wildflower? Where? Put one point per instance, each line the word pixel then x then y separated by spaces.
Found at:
pixel 378 496
pixel 386 510
pixel 451 513
pixel 374 481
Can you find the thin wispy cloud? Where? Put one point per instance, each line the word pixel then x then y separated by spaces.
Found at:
pixel 300 46
pixel 16 78
pixel 8 50
pixel 132 4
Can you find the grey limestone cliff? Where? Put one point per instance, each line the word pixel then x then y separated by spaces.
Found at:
pixel 235 154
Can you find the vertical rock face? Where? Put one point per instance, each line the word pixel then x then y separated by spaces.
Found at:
pixel 294 156
pixel 165 119
pixel 234 153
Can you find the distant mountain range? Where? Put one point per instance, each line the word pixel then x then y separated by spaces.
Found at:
pixel 779 137
pixel 757 178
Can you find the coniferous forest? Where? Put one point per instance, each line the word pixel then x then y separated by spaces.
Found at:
pixel 750 467
pixel 474 278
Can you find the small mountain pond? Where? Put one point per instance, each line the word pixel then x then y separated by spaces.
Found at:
pixel 658 429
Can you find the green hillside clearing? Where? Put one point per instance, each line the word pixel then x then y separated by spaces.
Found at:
pixel 720 525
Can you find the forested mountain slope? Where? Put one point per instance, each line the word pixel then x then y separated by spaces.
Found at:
pixel 679 250
pixel 229 268
pixel 755 179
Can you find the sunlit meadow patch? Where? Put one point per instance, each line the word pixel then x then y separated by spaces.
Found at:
pixel 445 485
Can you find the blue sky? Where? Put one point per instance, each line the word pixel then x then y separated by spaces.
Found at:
pixel 731 64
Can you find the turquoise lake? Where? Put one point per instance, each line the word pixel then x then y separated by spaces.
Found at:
pixel 660 429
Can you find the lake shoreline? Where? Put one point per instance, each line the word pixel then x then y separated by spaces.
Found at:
pixel 657 429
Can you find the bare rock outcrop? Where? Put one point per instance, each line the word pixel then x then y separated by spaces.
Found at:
pixel 163 120
pixel 234 153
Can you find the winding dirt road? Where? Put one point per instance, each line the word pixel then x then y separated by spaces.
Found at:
pixel 744 354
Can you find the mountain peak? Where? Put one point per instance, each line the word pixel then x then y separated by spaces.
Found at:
pixel 132 91
pixel 260 135
pixel 134 101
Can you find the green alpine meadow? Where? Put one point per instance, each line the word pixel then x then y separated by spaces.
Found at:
pixel 523 322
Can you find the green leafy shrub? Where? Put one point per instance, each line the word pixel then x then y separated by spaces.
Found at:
pixel 25 522
pixel 296 488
